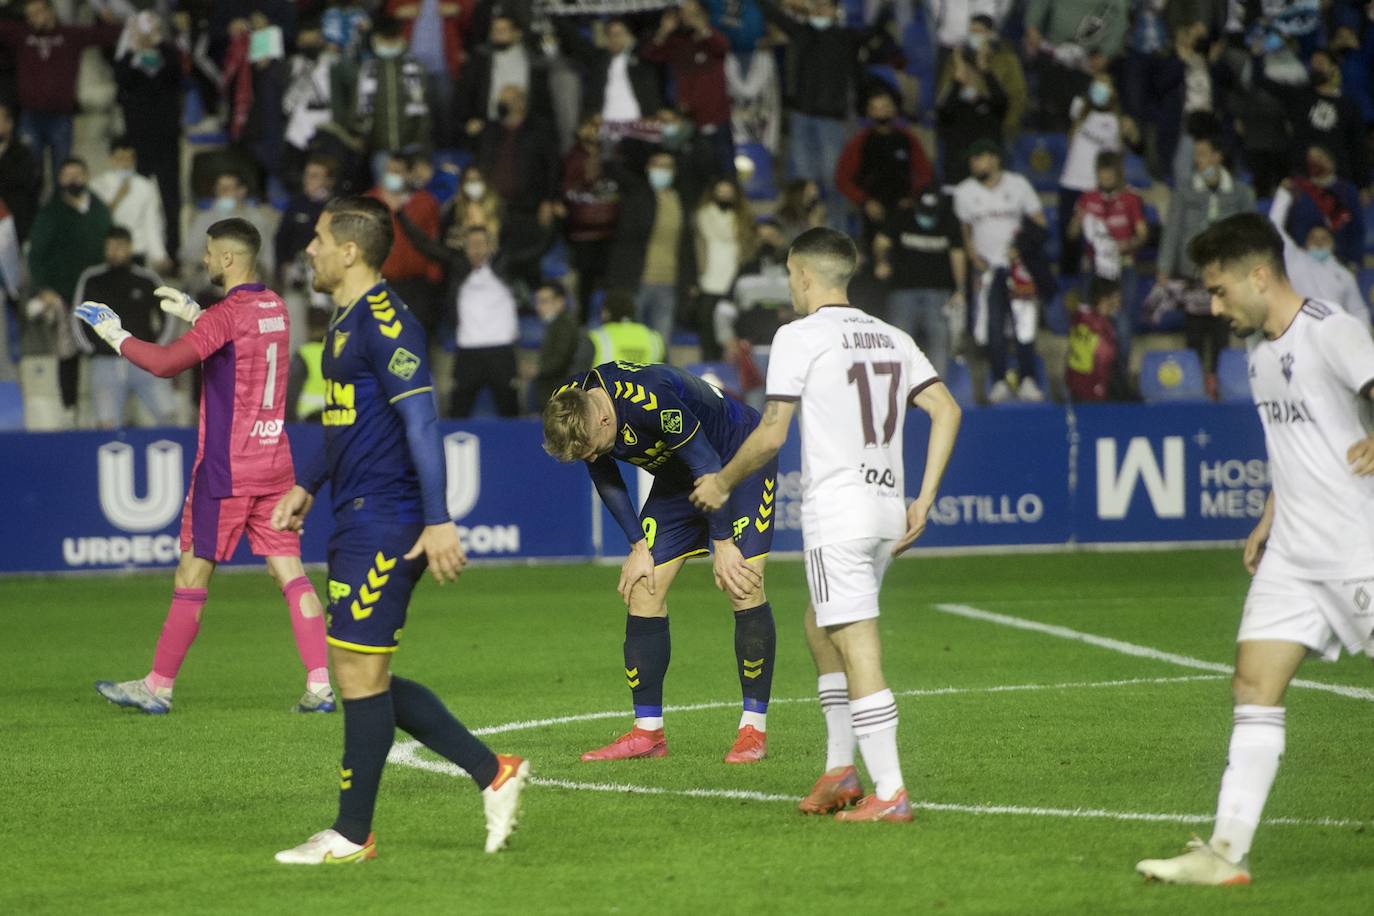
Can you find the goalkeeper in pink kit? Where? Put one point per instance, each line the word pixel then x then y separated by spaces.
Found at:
pixel 243 460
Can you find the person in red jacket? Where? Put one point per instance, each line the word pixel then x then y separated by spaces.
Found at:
pixel 1095 372
pixel 414 277
pixel 882 166
pixel 47 57
pixel 694 53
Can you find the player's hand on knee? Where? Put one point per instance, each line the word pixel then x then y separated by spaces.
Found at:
pixel 733 574
pixel 916 515
pixel 639 565
pixel 708 495
pixel 290 511
pixel 175 302
pixel 1361 457
pixel 442 550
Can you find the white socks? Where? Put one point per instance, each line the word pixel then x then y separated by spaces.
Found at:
pixel 839 724
pixel 649 723
pixel 1251 765
pixel 757 719
pixel 875 725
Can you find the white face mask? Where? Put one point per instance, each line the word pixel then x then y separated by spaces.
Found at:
pixel 393 182
pixel 475 190
pixel 661 179
pixel 226 204
pixel 122 175
pixel 821 22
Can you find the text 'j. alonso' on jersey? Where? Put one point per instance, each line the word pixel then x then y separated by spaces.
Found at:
pixel 244 345
pixel 854 377
pixel 659 409
pixel 375 356
pixel 1308 385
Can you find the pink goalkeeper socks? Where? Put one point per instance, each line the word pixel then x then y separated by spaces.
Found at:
pixel 309 631
pixel 178 632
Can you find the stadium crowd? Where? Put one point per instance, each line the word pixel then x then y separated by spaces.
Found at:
pixel 575 182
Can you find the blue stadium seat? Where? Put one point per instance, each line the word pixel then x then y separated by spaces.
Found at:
pixel 1171 375
pixel 1053 244
pixel 1137 175
pixel 531 332
pixel 683 337
pixel 762 185
pixel 960 383
pixel 11 406
pixel 554 264
pixel 1233 375
pixel 1040 158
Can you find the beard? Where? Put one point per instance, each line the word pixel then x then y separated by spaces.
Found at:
pixel 321 283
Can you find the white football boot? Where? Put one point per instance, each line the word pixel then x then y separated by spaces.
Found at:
pixel 501 800
pixel 329 847
pixel 1201 864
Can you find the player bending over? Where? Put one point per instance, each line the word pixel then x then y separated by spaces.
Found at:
pixel 853 377
pixel 385 465
pixel 676 427
pixel 243 459
pixel 1312 553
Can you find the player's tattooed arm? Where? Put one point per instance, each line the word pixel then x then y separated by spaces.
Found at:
pixel 760 448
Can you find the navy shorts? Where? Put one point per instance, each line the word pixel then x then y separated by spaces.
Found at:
pixel 370 582
pixel 676 529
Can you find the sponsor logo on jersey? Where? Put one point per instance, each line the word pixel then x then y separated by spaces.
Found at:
pixel 671 421
pixel 1285 412
pixel 277 323
pixel 403 364
pixel 339 408
pixel 1286 364
pixel 266 429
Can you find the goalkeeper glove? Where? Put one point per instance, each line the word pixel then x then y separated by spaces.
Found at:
pixel 104 322
pixel 175 302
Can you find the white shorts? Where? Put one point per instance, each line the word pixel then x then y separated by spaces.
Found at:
pixel 1322 615
pixel 844 579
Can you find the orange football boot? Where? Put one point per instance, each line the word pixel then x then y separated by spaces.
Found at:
pixel 873 808
pixel 833 791
pixel 750 747
pixel 635 744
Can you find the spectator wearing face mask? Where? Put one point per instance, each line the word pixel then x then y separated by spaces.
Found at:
pixel 1323 198
pixel 590 207
pixel 1093 26
pixel 230 200
pixel 883 165
pixel 968 110
pixel 1098 127
pixel 407 268
pixel 1312 266
pixel 135 204
pixel 759 303
pixel 1320 115
pixel 991 54
pixel 505 60
pixel 725 238
pixel 653 253
pixel 518 154
pixel 475 204
pixel 694 54
pixel 391 110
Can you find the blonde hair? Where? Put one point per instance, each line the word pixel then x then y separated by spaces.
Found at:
pixel 567 425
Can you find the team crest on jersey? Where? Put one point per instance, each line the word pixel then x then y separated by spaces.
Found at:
pixel 403 364
pixel 671 420
pixel 627 435
pixel 340 341
pixel 1286 364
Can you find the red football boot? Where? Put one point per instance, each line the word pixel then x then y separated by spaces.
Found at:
pixel 750 747
pixel 635 744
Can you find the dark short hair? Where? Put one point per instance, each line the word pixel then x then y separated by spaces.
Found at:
pixel 554 287
pixel 618 305
pixel 325 161
pixel 364 221
pixel 119 232
pixel 1108 159
pixel 984 20
pixel 232 173
pixel 829 244
pixel 1238 238
pixel 237 230
pixel 123 141
pixel 1100 288
pixel 74 160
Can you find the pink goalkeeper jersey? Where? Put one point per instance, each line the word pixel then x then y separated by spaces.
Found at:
pixel 244 350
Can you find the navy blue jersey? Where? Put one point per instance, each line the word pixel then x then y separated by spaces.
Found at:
pixel 660 408
pixel 375 356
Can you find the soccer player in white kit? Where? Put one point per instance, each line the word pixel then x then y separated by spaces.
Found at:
pixel 1312 553
pixel 853 377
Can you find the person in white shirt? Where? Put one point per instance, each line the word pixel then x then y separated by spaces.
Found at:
pixel 1312 267
pixel 135 204
pixel 853 377
pixel 487 331
pixel 991 205
pixel 1312 552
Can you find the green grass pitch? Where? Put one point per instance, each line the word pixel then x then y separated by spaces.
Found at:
pixel 110 811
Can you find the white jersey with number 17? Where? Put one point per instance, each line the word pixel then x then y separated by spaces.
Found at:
pixel 854 377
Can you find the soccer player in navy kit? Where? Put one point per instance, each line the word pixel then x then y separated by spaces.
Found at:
pixel 391 522
pixel 676 427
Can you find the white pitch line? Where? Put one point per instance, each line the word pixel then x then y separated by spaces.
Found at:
pixel 526 724
pixel 406 754
pixel 1129 648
